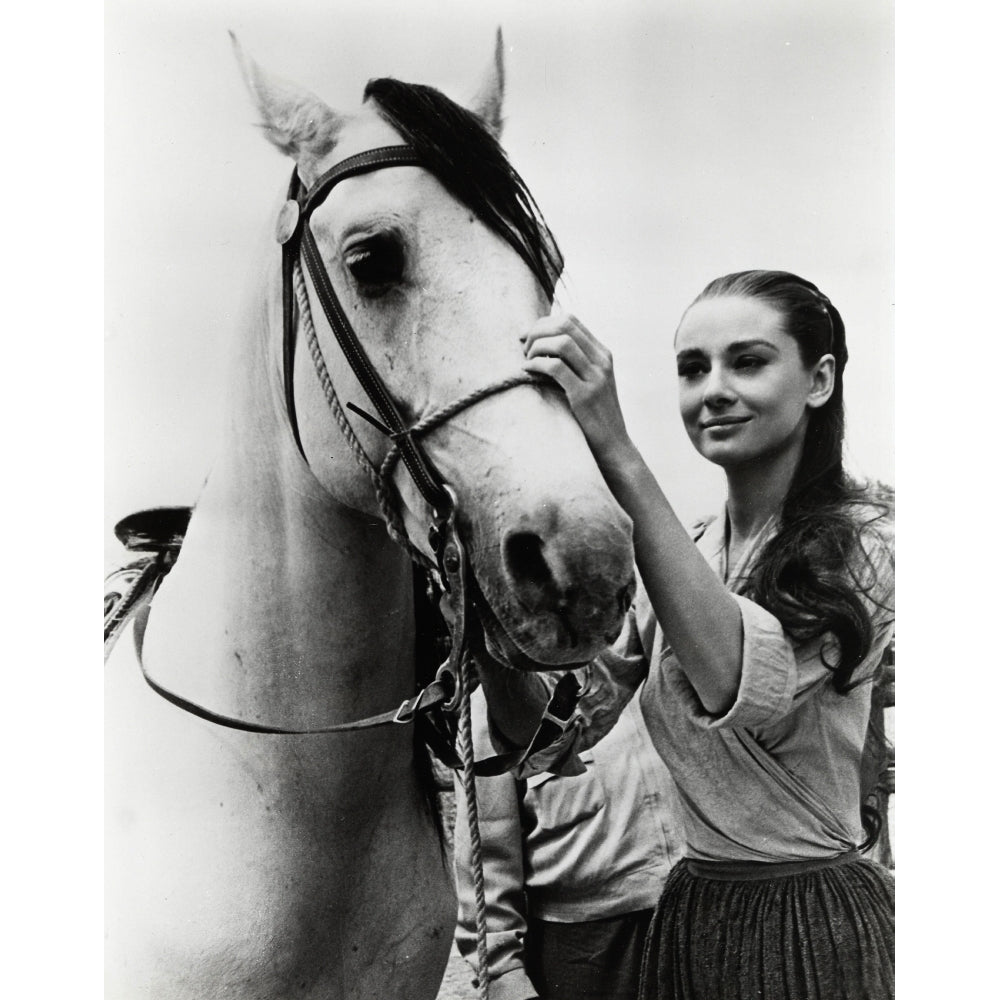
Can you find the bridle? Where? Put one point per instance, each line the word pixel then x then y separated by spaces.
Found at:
pixel 449 691
pixel 451 565
pixel 298 241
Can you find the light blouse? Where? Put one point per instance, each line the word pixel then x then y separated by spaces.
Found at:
pixel 777 777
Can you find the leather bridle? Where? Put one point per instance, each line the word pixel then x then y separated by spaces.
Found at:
pixel 298 241
pixel 452 566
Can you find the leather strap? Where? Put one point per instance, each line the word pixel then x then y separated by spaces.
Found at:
pixel 556 716
pixel 434 694
pixel 301 240
pixel 423 707
pixel 289 251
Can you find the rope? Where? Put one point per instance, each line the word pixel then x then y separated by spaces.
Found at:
pixel 385 491
pixel 446 412
pixel 466 754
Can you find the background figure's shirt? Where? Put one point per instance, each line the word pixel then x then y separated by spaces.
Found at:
pixel 566 849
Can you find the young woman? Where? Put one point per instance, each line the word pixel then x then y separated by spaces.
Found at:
pixel 761 637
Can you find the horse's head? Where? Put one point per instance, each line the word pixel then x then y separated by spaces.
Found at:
pixel 438 268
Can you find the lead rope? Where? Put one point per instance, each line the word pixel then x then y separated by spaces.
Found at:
pixel 467 756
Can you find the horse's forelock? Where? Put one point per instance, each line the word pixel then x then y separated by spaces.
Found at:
pixel 461 152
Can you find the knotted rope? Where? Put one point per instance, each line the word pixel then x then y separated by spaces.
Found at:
pixel 384 489
pixel 466 754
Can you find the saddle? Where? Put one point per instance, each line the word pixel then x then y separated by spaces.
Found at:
pixel 157 534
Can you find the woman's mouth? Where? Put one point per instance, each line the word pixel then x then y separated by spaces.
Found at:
pixel 714 422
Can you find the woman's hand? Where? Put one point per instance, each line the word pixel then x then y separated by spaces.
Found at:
pixel 700 619
pixel 560 346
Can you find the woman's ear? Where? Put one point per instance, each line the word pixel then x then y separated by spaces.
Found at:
pixel 824 375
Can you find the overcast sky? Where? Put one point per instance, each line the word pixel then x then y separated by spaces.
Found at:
pixel 667 143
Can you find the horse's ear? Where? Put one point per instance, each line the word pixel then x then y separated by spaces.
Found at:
pixel 488 102
pixel 293 119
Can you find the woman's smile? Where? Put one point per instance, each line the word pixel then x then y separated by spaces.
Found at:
pixel 744 390
pixel 722 423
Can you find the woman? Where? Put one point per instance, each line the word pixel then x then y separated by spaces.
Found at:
pixel 762 636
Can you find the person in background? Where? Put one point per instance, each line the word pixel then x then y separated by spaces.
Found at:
pixel 573 867
pixel 759 638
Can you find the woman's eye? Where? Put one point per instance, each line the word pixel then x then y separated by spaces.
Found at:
pixel 749 362
pixel 376 264
pixel 690 369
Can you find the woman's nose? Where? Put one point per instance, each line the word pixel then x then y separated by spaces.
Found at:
pixel 716 391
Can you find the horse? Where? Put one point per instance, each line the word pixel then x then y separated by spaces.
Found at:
pixel 297 862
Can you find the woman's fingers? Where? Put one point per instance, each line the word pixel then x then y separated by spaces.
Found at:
pixel 564 347
pixel 558 371
pixel 567 325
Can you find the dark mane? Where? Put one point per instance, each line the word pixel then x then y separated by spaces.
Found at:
pixel 457 148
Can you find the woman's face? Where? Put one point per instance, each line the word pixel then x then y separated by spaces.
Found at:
pixel 745 394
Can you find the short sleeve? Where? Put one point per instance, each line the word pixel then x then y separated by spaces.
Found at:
pixel 776 672
pixel 768 675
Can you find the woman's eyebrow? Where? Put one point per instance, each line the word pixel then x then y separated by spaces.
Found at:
pixel 690 352
pixel 749 345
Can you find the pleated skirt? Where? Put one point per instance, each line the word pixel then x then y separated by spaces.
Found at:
pixel 819 932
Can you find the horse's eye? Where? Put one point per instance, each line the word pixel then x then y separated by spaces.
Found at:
pixel 376 264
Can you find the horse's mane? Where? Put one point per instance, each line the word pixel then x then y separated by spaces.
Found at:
pixel 465 157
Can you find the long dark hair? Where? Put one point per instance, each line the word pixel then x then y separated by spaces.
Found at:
pixel 813 574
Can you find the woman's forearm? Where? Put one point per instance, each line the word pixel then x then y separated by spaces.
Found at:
pixel 699 617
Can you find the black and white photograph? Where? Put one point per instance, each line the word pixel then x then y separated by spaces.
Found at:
pixel 499 409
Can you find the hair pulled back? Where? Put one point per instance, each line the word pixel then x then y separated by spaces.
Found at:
pixel 811 575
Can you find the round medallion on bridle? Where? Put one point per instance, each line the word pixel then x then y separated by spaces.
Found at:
pixel 288 221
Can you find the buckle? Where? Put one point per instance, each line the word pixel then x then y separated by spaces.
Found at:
pixel 408 709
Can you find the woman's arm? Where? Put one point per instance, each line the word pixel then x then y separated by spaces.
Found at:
pixel 699 617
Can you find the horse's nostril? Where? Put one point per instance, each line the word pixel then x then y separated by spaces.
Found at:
pixel 524 560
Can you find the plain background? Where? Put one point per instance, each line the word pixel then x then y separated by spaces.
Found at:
pixel 58 61
pixel 666 143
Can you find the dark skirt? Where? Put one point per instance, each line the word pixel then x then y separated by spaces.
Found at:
pixel 821 932
pixel 591 960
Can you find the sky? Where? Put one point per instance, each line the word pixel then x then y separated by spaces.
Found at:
pixel 667 143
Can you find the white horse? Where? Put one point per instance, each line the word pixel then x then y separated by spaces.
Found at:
pixel 276 866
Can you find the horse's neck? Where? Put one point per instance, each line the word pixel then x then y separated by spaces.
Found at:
pixel 285 607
